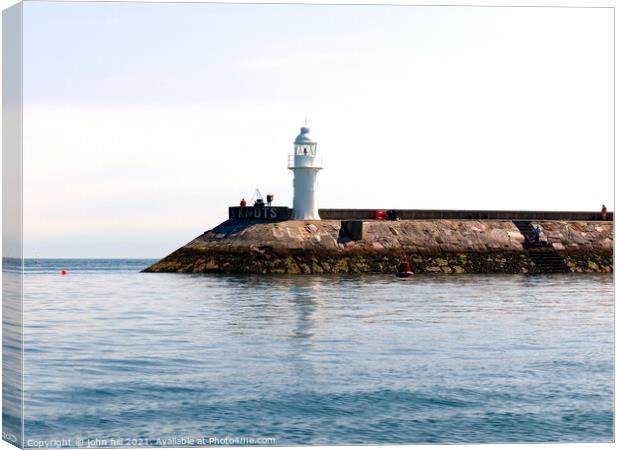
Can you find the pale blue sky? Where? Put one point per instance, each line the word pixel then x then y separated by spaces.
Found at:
pixel 143 122
pixel 126 54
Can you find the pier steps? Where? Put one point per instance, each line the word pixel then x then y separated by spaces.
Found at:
pixel 542 253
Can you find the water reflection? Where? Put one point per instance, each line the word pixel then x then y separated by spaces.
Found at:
pixel 305 299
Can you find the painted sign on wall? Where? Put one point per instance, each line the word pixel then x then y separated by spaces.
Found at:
pixel 259 213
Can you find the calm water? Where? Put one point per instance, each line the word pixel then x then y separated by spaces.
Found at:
pixel 115 354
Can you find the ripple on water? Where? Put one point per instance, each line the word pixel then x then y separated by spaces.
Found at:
pixel 115 353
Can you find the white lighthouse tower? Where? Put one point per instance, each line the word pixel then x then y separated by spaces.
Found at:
pixel 305 165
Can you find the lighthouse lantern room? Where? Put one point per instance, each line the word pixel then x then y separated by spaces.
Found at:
pixel 305 165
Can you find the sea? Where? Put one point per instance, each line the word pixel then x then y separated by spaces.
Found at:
pixel 115 357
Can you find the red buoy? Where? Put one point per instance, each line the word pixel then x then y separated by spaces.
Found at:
pixel 404 269
pixel 63 272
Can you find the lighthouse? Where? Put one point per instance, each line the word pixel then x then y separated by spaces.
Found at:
pixel 305 165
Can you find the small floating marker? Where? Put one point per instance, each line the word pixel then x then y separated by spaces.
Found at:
pixel 63 272
pixel 404 269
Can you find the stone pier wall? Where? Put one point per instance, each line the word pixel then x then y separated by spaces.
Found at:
pixel 445 246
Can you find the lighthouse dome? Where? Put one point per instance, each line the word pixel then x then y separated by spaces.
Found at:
pixel 304 136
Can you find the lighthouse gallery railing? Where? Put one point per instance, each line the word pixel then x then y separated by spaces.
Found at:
pixel 295 161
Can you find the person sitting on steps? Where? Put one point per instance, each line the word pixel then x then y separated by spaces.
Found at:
pixel 537 234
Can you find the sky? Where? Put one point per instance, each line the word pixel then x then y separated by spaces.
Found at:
pixel 143 122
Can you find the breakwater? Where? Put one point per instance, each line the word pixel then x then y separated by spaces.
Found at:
pixel 440 245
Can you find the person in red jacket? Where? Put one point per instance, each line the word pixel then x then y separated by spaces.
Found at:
pixel 243 203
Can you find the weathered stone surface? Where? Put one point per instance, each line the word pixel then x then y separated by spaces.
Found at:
pixel 441 246
pixel 580 237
